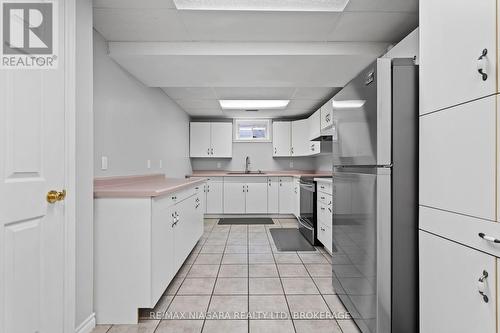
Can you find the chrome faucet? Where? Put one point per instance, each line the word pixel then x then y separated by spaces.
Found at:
pixel 247 164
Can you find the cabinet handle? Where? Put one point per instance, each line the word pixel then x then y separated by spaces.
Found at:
pixel 243 188
pixel 212 151
pixel 247 188
pixel 208 188
pixel 481 286
pixel 292 150
pixel 488 238
pixel 208 151
pixel 275 151
pixel 322 208
pixel 481 64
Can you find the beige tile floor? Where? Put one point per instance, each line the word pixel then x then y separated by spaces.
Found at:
pixel 235 280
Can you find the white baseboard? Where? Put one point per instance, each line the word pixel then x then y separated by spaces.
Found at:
pixel 87 326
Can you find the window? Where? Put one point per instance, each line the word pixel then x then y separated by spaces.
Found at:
pixel 252 130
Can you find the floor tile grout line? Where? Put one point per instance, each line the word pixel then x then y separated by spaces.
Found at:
pixel 283 288
pixel 216 278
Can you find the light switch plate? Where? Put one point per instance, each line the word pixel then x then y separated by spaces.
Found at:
pixel 161 164
pixel 148 163
pixel 104 163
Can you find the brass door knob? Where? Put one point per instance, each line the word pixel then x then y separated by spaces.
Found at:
pixel 54 196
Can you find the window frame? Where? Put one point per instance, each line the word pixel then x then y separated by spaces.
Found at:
pixel 266 122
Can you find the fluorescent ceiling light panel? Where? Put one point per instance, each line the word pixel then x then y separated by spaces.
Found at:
pixel 352 104
pixel 237 104
pixel 264 5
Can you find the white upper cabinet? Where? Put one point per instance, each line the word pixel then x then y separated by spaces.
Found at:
pixel 282 138
pixel 453 36
pixel 222 140
pixel 326 117
pixel 199 143
pixel 300 138
pixel 315 125
pixel 211 139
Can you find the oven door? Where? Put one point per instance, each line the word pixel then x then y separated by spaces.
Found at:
pixel 306 219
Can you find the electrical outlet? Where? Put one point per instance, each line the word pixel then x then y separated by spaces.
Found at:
pixel 104 163
pixel 291 164
pixel 148 163
pixel 161 164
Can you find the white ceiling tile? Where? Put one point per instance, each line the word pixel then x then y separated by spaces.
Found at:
pixel 253 93
pixel 383 5
pixel 198 103
pixel 190 93
pixel 374 27
pixel 133 4
pixel 140 25
pixel 258 26
pixel 320 93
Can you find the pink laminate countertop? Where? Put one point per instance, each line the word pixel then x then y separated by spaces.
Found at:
pixel 141 186
pixel 291 173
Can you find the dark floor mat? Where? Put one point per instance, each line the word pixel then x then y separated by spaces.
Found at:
pixel 244 221
pixel 290 239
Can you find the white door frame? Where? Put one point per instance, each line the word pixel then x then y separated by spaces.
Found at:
pixel 70 166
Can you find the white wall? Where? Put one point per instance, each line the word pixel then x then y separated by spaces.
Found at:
pixel 84 164
pixel 261 158
pixel 134 123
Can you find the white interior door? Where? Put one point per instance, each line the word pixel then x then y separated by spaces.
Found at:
pixel 32 231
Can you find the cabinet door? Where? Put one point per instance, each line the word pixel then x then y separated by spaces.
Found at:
pixel 449 287
pixel 326 116
pixel 162 249
pixel 256 196
pixel 450 45
pixel 300 138
pixel 199 140
pixel 222 140
pixel 314 125
pixel 458 159
pixel 215 195
pixel 296 197
pixel 286 195
pixel 273 195
pixel 234 195
pixel 314 148
pixel 282 140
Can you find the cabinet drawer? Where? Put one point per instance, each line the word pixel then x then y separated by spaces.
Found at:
pixel 325 236
pixel 324 214
pixel 460 228
pixel 165 202
pixel 324 188
pixel 458 159
pixel 325 198
pixel 449 287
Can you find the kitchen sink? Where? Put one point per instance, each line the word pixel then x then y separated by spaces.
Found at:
pixel 259 172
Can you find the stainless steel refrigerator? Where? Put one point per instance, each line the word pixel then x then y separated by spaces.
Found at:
pixel 375 180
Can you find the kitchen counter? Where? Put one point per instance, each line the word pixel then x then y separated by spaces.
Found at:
pixel 292 173
pixel 324 180
pixel 141 186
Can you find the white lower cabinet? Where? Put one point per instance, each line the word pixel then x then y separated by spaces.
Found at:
pixel 325 214
pixel 140 244
pixel 214 201
pixel 458 287
pixel 273 195
pixel 234 195
pixel 245 195
pixel 286 195
pixel 256 196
